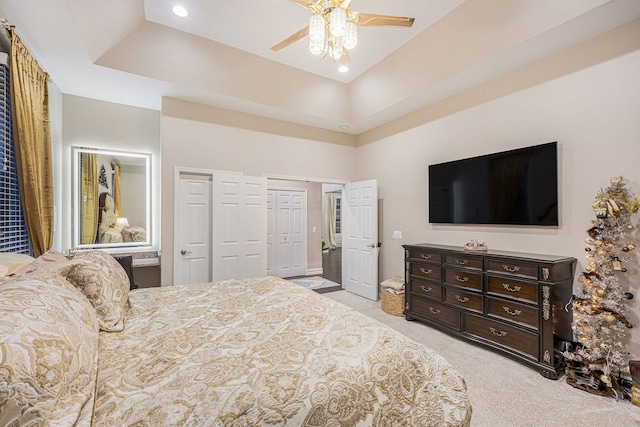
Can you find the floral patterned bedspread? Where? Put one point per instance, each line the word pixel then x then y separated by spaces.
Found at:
pixel 267 352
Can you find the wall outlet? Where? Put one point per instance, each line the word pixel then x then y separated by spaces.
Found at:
pixel 397 235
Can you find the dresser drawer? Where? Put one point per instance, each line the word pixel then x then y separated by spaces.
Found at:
pixel 466 300
pixel 427 289
pixel 502 334
pixel 425 255
pixel 428 271
pixel 513 267
pixel 464 278
pixel 441 313
pixel 513 312
pixel 512 288
pixel 463 261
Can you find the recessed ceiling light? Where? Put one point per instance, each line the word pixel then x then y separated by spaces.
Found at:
pixel 344 127
pixel 180 11
pixel 343 68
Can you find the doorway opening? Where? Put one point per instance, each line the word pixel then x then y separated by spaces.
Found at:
pixel 332 232
pixel 359 227
pixel 315 257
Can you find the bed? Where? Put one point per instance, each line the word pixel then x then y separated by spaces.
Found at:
pixel 78 348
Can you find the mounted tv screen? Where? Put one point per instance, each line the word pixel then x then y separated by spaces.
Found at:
pixel 516 187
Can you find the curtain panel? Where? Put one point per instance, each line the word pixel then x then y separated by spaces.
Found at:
pixel 89 201
pixel 330 219
pixel 117 194
pixel 30 100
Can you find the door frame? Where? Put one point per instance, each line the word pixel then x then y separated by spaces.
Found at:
pixel 341 182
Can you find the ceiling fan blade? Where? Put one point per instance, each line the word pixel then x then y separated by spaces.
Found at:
pixel 304 3
pixel 374 20
pixel 291 39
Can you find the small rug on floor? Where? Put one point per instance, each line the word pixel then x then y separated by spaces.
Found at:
pixel 314 282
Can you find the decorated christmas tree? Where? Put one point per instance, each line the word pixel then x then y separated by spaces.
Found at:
pixel 599 306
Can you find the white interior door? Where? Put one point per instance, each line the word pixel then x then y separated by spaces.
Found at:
pixel 192 257
pixel 360 238
pixel 286 235
pixel 240 226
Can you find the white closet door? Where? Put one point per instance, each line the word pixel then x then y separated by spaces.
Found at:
pixel 240 226
pixel 193 232
pixel 271 230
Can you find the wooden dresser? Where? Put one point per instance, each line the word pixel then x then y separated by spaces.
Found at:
pixel 510 302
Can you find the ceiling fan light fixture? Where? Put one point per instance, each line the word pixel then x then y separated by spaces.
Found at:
pixel 351 35
pixel 335 49
pixel 317 28
pixel 316 47
pixel 338 22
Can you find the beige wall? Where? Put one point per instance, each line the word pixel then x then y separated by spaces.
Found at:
pixel 193 137
pixel 98 124
pixel 593 114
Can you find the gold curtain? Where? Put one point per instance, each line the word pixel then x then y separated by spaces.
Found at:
pixel 30 102
pixel 89 202
pixel 116 188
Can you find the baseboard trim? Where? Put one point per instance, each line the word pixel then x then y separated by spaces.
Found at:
pixel 314 272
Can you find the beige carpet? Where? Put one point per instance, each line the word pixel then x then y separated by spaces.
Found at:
pixel 504 392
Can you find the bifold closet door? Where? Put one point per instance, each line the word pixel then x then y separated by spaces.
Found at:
pixel 239 226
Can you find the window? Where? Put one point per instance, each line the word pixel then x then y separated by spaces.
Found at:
pixel 13 230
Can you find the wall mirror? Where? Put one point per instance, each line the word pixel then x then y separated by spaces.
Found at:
pixel 112 198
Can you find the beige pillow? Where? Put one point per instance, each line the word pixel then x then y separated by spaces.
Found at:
pixel 104 282
pixel 11 262
pixel 49 260
pixel 48 354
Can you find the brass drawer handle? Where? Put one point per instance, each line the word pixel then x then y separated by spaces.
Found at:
pixel 461 299
pixel 425 256
pixel 510 289
pixel 498 334
pixel 434 310
pixel 516 312
pixel 510 269
pixel 461 279
pixel 425 289
pixel 425 271
pixel 461 261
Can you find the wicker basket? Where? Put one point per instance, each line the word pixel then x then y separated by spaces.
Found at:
pixel 392 303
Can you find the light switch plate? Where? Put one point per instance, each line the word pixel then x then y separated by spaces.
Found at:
pixel 397 235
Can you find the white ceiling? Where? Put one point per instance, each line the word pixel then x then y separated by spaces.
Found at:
pixel 256 25
pixel 136 51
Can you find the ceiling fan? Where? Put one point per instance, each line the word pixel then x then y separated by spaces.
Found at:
pixel 333 27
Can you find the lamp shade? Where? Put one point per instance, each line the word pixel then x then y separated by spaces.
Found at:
pixel 316 29
pixel 122 222
pixel 351 35
pixel 338 22
pixel 316 48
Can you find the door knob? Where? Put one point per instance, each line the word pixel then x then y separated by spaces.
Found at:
pixel 184 252
pixel 371 245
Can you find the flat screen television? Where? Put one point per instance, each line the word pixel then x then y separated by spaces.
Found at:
pixel 515 187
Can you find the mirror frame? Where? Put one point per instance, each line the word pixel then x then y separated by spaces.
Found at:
pixel 77 151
